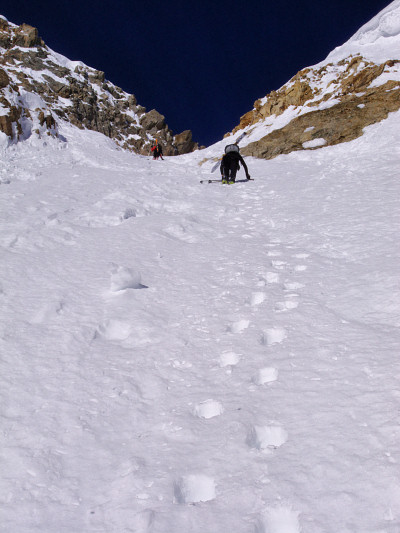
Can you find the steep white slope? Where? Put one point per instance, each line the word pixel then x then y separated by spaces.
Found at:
pixel 377 41
pixel 186 357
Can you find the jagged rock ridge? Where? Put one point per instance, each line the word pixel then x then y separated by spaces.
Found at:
pixel 39 87
pixel 335 100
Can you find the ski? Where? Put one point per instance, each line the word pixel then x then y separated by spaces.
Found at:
pixel 241 137
pixel 220 181
pixel 214 168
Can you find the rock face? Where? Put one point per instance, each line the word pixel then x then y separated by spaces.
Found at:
pixel 184 142
pixel 330 112
pixel 332 102
pixel 343 122
pixel 39 88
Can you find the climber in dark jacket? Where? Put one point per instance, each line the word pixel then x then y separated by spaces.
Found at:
pixel 230 164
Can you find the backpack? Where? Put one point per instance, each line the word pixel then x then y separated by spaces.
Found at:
pixel 231 148
pixel 231 156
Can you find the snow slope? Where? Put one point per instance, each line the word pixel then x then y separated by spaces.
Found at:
pixel 377 41
pixel 203 358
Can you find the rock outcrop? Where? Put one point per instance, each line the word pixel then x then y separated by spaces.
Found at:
pixel 4 79
pixel 341 123
pixel 323 105
pixel 39 88
pixel 184 142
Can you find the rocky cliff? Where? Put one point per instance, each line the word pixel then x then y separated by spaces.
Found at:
pixel 332 102
pixel 39 88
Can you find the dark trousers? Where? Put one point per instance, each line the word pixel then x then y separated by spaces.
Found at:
pixel 229 168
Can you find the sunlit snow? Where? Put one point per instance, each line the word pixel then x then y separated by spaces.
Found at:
pixel 178 356
pixel 202 358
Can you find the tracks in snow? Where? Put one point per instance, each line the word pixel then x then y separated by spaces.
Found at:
pixel 238 307
pixel 177 320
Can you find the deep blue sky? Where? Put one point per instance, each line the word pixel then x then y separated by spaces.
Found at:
pixel 200 63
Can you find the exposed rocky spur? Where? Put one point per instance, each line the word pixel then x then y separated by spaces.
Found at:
pixel 39 87
pixel 324 105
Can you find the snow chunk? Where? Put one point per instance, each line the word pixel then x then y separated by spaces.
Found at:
pixel 281 519
pixel 194 488
pixel 274 336
pixel 208 409
pixel 266 437
pixel 315 143
pixel 239 326
pixel 257 298
pixel 115 330
pixel 125 278
pixel 265 375
pixel 292 286
pixel 272 277
pixel 229 359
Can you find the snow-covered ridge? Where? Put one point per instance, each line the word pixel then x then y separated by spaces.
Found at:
pixel 6 21
pixel 39 87
pixel 356 85
pixel 378 40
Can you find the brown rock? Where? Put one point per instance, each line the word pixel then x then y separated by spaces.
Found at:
pixel 140 110
pixel 61 72
pixel 93 102
pixel 4 79
pixel 5 37
pixel 152 119
pixel 6 121
pixel 184 142
pixel 297 94
pixel 135 144
pixel 3 24
pixel 97 76
pixel 48 120
pixel 359 82
pixel 341 123
pixel 60 88
pixel 6 125
pixel 28 58
pixel 132 100
pixel 27 37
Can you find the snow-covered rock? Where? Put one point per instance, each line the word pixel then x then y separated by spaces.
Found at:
pixel 332 102
pixel 39 88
